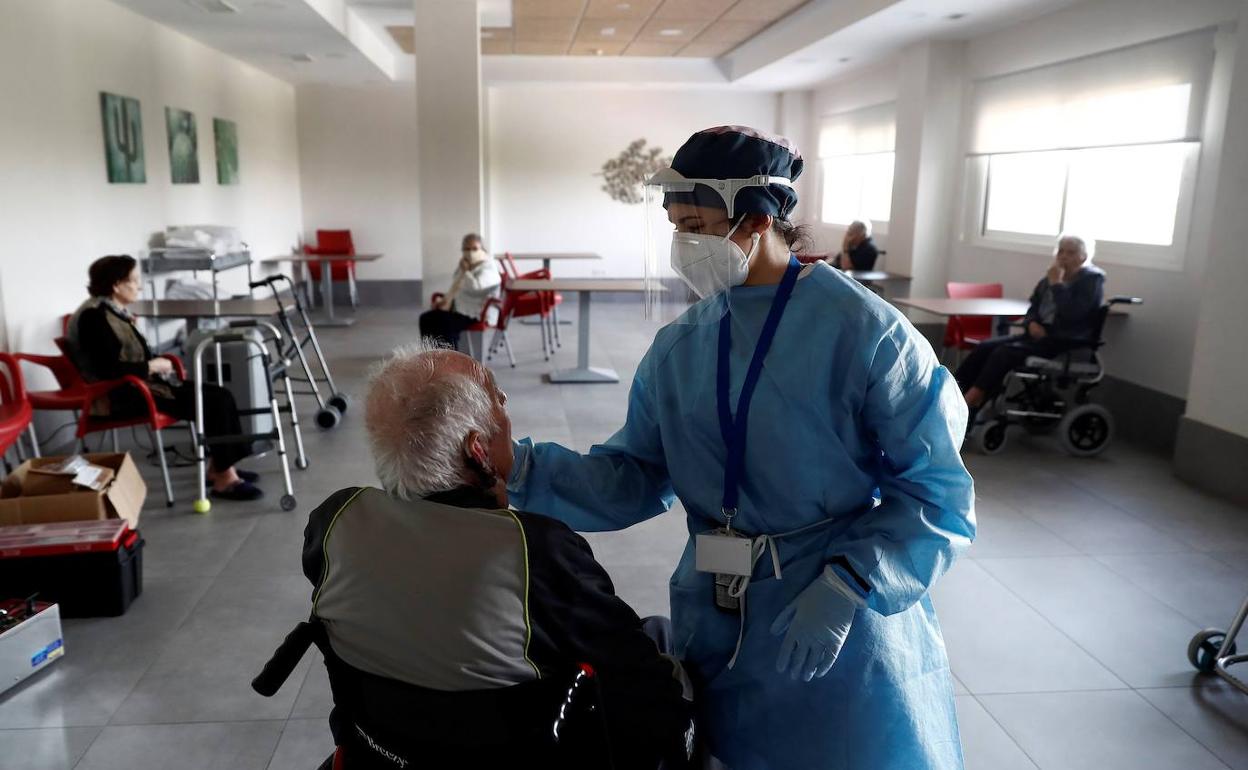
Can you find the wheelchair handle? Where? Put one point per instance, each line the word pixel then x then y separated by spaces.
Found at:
pixel 272 279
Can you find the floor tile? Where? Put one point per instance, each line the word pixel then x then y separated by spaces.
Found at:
pixel 1200 588
pixel 200 746
pixel 985 746
pixel 1216 716
pixel 45 749
pixel 304 745
pixel 1097 731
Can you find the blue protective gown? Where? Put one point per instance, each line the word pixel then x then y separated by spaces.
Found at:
pixel 851 407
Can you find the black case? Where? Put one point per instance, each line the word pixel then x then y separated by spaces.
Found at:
pixel 86 585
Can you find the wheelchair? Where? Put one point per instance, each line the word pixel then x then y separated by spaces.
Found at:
pixel 558 722
pixel 1052 396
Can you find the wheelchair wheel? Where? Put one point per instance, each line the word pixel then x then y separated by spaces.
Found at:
pixel 1086 430
pixel 989 438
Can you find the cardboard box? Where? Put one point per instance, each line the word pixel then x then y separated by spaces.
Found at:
pixel 36 483
pixel 121 499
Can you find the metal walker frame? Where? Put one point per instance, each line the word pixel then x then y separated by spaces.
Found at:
pixel 1213 655
pixel 202 504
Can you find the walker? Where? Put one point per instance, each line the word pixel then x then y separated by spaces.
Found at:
pixel 1212 651
pixel 331 409
pixel 279 368
pixel 202 504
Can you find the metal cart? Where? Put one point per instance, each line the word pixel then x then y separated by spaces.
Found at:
pixel 202 440
pixel 332 408
pixel 1213 650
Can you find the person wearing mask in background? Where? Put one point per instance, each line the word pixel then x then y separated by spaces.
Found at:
pixel 105 345
pixel 858 251
pixel 812 438
pixel 476 282
pixel 1064 307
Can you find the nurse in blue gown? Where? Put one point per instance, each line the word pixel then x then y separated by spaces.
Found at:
pixel 812 414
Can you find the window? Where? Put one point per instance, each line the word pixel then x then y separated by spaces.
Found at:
pixel 856 166
pixel 1104 146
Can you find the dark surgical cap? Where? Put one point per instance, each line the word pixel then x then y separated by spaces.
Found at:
pixel 737 152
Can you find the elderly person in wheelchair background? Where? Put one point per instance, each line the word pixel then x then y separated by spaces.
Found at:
pixel 1064 313
pixel 453 626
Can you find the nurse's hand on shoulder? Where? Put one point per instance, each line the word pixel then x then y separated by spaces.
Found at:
pixel 815 626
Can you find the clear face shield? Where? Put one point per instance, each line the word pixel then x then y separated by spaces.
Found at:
pixel 689 254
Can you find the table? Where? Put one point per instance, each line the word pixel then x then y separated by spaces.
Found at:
pixel 997 309
pixel 327 281
pixel 547 258
pixel 875 276
pixel 203 308
pixel 583 372
pixel 175 259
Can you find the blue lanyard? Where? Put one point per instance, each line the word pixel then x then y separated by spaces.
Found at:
pixel 733 431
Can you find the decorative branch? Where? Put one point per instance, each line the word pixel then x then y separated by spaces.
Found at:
pixel 625 174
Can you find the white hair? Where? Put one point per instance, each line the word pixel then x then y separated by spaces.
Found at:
pixel 417 414
pixel 865 224
pixel 1086 245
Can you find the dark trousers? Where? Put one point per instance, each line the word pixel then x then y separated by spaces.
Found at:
pixel 985 368
pixel 220 416
pixel 444 325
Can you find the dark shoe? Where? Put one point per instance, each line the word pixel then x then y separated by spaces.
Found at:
pixel 242 491
pixel 249 476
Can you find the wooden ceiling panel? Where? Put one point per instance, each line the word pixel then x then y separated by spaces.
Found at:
pixel 702 10
pixel 761 10
pixel 639 10
pixel 404 38
pixel 545 30
pixel 527 48
pixel 547 9
pixel 607 30
pixel 496 33
pixel 497 47
pixel 642 48
pixel 614 48
pixel 700 49
pixel 670 31
pixel 729 32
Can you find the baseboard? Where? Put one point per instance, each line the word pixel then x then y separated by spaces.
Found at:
pixel 1212 459
pixel 1147 418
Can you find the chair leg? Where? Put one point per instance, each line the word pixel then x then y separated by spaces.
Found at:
pixel 489 354
pixel 164 465
pixel 355 296
pixel 34 440
pixel 471 348
pixel 113 434
pixel 555 321
pixel 510 356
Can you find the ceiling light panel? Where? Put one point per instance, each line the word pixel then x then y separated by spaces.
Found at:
pixel 596 30
pixel 547 9
pixel 762 10
pixel 670 31
pixel 644 48
pixel 545 30
pixel 704 10
pixel 638 10
pixel 597 48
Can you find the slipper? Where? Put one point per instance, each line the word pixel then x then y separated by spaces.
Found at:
pixel 249 476
pixel 243 491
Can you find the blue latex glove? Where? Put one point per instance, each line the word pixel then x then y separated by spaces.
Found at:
pixel 817 623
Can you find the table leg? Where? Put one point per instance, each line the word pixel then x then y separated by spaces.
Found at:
pixel 327 287
pixel 583 373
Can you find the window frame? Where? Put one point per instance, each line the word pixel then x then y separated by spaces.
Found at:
pixel 1124 253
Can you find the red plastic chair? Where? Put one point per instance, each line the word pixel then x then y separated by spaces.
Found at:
pixel 331 243
pixel 76 394
pixel 965 332
pixel 483 322
pixel 528 304
pixel 16 412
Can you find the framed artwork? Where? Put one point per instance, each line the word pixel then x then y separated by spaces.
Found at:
pixel 225 133
pixel 123 139
pixel 183 146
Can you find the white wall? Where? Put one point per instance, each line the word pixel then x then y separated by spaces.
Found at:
pixel 58 210
pixel 546 145
pixel 1219 382
pixel 357 171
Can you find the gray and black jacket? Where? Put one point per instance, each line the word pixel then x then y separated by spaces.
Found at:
pixel 453 595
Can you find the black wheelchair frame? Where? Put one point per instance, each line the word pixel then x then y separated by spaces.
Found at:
pixel 1048 395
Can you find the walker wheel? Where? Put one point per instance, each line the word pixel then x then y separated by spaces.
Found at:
pixel 287 502
pixel 301 463
pixel 339 402
pixel 202 505
pixel 1203 650
pixel 328 417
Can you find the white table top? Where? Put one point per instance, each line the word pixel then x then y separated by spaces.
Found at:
pixel 875 275
pixel 323 257
pixel 553 255
pixel 635 285
pixel 944 306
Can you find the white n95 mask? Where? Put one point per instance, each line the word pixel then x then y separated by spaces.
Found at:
pixel 709 264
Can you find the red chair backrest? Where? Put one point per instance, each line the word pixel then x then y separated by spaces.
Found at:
pixel 509 266
pixel 64 369
pixel 10 380
pixel 335 242
pixel 977 327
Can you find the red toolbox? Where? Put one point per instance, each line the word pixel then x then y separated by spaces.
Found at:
pixel 89 568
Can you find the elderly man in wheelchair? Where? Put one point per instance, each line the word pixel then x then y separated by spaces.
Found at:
pixel 1041 378
pixel 460 633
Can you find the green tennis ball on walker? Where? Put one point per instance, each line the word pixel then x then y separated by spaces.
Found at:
pixel 202 505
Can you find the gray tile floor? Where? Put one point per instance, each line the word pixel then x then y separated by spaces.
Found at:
pixel 1066 626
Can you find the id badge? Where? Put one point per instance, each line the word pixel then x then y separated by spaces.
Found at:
pixel 723 553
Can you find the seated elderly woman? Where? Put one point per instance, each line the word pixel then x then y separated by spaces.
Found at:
pixel 432 581
pixel 106 345
pixel 1063 311
pixel 476 281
